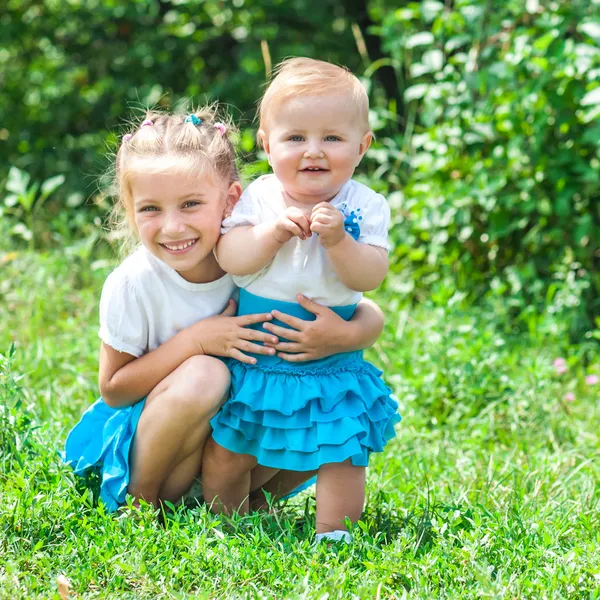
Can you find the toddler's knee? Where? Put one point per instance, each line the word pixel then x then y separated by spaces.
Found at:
pixel 224 461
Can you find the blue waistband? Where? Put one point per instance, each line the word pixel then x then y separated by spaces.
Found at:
pixel 251 304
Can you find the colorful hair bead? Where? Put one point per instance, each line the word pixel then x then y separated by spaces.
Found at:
pixel 193 119
pixel 222 129
pixel 147 122
pixel 127 137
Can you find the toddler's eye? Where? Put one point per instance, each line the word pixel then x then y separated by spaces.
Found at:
pixel 332 138
pixel 296 138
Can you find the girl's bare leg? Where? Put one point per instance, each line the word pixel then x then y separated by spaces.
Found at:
pixel 173 428
pixel 340 495
pixel 226 479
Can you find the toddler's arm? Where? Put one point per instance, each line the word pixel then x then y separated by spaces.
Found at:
pixel 246 249
pixel 359 266
pixel 125 379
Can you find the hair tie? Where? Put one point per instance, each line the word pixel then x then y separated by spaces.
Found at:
pixel 222 129
pixel 127 137
pixel 193 119
pixel 147 122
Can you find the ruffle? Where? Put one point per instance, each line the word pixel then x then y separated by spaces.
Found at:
pixel 103 438
pixel 299 420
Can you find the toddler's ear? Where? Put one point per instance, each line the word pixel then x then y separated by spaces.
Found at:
pixel 365 142
pixel 264 140
pixel 233 195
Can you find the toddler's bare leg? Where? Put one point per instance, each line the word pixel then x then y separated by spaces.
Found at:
pixel 340 495
pixel 173 427
pixel 279 485
pixel 226 479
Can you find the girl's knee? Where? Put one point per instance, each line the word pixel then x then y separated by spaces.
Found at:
pixel 201 386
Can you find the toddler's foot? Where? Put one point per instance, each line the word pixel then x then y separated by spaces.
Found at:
pixel 339 535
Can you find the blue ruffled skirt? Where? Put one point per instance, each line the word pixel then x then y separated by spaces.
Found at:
pixel 103 439
pixel 299 416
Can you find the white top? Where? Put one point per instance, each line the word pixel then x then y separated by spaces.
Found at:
pixel 302 266
pixel 145 302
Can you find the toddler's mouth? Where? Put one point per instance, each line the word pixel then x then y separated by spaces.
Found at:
pixel 314 170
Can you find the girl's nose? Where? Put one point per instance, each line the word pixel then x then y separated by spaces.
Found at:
pixel 173 224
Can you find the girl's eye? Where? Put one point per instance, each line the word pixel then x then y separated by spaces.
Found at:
pixel 296 138
pixel 148 209
pixel 191 204
pixel 332 138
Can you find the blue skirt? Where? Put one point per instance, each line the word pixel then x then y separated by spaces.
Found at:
pixel 103 439
pixel 299 416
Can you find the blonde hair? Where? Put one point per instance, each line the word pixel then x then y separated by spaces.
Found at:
pixel 161 143
pixel 306 76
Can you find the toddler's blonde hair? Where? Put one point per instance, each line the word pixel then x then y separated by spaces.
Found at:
pixel 166 143
pixel 306 76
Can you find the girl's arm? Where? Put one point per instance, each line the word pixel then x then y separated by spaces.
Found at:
pixel 328 334
pixel 361 267
pixel 125 379
pixel 246 249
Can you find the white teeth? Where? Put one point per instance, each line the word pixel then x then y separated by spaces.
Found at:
pixel 180 247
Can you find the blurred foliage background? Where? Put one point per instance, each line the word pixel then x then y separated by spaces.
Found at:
pixel 486 115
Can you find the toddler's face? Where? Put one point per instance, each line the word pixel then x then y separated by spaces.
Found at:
pixel 314 143
pixel 178 217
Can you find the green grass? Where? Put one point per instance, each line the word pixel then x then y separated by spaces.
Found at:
pixel 489 491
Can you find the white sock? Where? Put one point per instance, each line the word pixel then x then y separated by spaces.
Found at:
pixel 335 536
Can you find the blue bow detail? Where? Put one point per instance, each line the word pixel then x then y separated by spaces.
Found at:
pixel 193 119
pixel 351 224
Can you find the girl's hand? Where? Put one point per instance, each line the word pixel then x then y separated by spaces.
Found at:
pixel 226 335
pixel 310 340
pixel 328 222
pixel 293 222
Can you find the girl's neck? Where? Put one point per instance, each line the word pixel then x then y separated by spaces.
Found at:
pixel 207 271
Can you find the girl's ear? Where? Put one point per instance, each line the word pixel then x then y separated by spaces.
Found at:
pixel 264 139
pixel 233 195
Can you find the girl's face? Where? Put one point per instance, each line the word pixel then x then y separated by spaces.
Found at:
pixel 314 143
pixel 178 218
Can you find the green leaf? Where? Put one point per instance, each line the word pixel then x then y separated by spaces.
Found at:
pixel 415 92
pixel 51 184
pixel 591 98
pixel 423 38
pixel 17 181
pixel 591 28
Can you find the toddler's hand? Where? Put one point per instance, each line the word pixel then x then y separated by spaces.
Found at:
pixel 328 222
pixel 293 222
pixel 226 335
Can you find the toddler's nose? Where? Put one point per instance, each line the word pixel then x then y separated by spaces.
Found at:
pixel 313 150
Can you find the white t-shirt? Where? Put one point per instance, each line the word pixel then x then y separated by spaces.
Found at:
pixel 145 302
pixel 302 266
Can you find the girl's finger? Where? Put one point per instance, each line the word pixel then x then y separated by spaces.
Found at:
pixel 282 332
pixel 292 347
pixel 235 353
pixel 258 336
pixel 246 320
pixel 230 309
pixel 255 348
pixel 293 322
pixel 295 357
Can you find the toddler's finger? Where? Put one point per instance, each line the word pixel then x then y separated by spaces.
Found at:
pixel 230 309
pixel 304 356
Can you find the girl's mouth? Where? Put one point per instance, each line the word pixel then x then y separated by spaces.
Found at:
pixel 179 247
